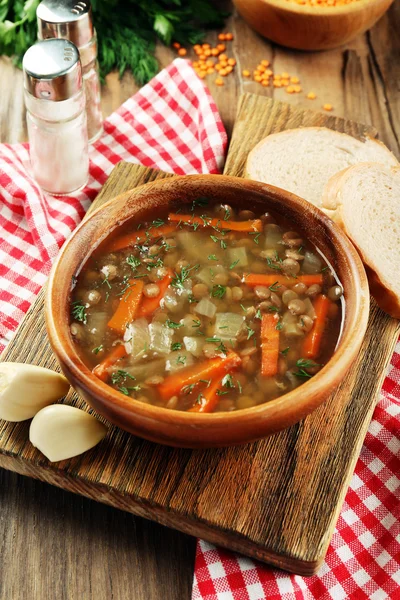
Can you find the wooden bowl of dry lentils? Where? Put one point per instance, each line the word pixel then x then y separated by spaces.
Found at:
pixel 311 24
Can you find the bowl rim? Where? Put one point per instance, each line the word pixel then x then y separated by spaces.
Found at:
pixel 58 328
pixel 290 6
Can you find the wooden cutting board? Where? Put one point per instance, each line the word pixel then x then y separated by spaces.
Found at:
pixel 276 500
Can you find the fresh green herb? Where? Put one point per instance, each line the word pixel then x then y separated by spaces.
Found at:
pixel 214 238
pixel 125 389
pixel 222 348
pixel 206 381
pixel 233 265
pixel 158 223
pixel 243 308
pixel 214 340
pixel 302 373
pixel 179 279
pixel 256 236
pixel 172 324
pixel 120 376
pixel 98 349
pixel 273 265
pixel 105 281
pixel 227 214
pixel 195 226
pixel 133 262
pixel 212 257
pixel 305 363
pixel 142 247
pixel 78 311
pixel 200 399
pixel 188 388
pixel 206 220
pixel 285 351
pixel 199 202
pixel 250 332
pixel 223 327
pixel 218 291
pixel 126 286
pixel 239 386
pixel 274 287
pixel 196 322
pixel 273 309
pixel 258 315
pixel 221 392
pixel 223 245
pixel 191 299
pixel 228 381
pixel 107 296
pixel 324 269
pixel 181 360
pixel 176 346
pixel 279 326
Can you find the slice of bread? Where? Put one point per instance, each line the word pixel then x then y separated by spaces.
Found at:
pixel 365 201
pixel 303 160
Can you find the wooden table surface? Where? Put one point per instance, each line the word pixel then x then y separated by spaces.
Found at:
pixel 58 546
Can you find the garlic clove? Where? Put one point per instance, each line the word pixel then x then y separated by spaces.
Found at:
pixel 63 431
pixel 26 389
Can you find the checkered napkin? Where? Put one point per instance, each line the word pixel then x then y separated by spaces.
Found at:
pixel 172 124
pixel 363 560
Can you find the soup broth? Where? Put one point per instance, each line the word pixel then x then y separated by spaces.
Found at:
pixel 206 309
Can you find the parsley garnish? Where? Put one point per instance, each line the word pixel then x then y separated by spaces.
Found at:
pixel 196 322
pixel 181 360
pixel 120 376
pixel 176 346
pixel 180 279
pixel 78 311
pixel 172 324
pixel 218 291
pixel 212 257
pixel 279 325
pixel 133 262
pixel 258 315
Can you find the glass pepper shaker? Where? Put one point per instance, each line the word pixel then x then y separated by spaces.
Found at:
pixel 56 116
pixel 72 20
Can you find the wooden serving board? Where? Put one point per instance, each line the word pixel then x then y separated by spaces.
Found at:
pixel 276 500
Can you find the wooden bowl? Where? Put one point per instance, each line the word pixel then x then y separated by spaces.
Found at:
pixel 195 430
pixel 306 27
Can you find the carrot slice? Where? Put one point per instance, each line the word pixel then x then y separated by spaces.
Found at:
pixel 214 367
pixel 253 279
pixel 138 237
pixel 269 345
pixel 149 305
pixel 127 306
pixel 101 370
pixel 253 225
pixel 210 398
pixel 312 342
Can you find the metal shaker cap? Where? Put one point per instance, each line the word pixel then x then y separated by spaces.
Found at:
pixel 69 19
pixel 52 70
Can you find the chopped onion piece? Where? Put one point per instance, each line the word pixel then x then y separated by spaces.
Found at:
pixel 228 325
pixel 239 256
pixel 311 264
pixel 137 338
pixel 194 345
pixel 160 338
pixel 178 360
pixel 206 307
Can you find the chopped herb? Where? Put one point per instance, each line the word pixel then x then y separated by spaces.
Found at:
pixel 98 349
pixel 196 322
pixel 176 346
pixel 78 311
pixel 105 281
pixel 172 324
pixel 206 220
pixel 223 245
pixel 256 236
pixel 142 248
pixel 223 327
pixel 180 279
pixel 221 393
pixel 212 273
pixel 188 388
pixel 181 360
pixel 191 299
pixel 125 389
pixel 277 259
pixel 300 249
pixel 214 238
pixel 206 381
pixel 158 223
pixel 166 246
pixel 272 264
pixel 126 284
pixel 133 262
pixel 285 351
pixel 302 373
pixel 121 376
pixel 279 326
pixel 250 332
pixel 273 309
pixel 212 257
pixel 305 363
pixel 228 381
pixel 199 202
pixel 258 315
pixel 195 226
pixel 227 214
pixel 233 265
pixel 107 296
pixel 213 339
pixel 243 308
pixel 74 279
pixel 239 386
pixel 222 348
pixel 218 291
pixel 324 269
pixel 199 399
pixel 139 226
pixel 274 287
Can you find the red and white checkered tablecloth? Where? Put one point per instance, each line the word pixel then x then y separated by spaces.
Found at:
pixel 173 124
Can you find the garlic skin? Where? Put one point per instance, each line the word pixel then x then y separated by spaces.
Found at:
pixel 63 431
pixel 26 389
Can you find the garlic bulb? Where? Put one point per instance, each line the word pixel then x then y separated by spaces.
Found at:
pixel 63 431
pixel 25 389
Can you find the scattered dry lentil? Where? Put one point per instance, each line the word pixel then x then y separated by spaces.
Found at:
pixel 311 96
pixel 246 73
pixel 219 81
pixel 327 107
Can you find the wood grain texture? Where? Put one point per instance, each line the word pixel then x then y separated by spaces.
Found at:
pixel 277 499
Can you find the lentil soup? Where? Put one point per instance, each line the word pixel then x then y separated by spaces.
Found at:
pixel 206 309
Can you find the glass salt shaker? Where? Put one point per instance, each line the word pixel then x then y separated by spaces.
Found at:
pixel 72 20
pixel 56 116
